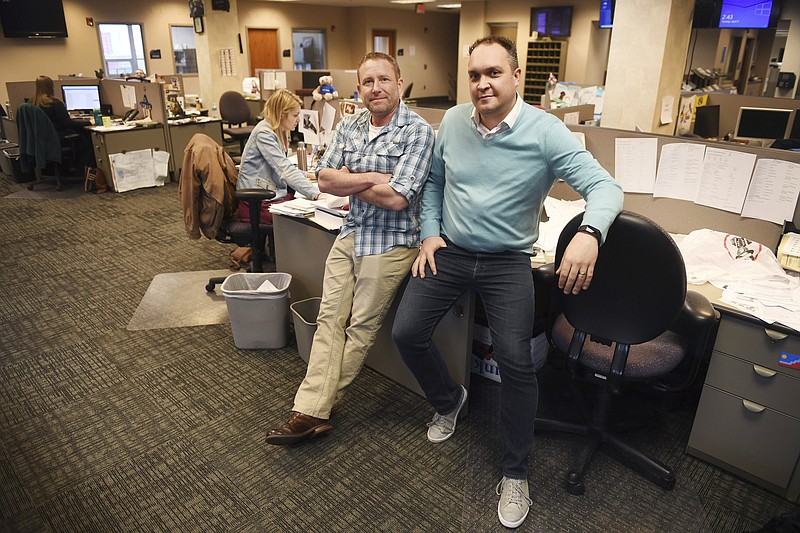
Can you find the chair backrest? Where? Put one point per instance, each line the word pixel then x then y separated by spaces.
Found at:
pixel 639 283
pixel 233 108
pixel 407 91
pixel 38 138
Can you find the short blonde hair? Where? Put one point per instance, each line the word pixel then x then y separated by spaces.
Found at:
pixel 278 106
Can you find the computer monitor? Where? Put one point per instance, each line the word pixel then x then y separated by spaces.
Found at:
pixel 706 121
pixel 761 123
pixel 794 133
pixel 311 78
pixel 81 97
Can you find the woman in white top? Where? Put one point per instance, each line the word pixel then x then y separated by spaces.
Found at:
pixel 264 162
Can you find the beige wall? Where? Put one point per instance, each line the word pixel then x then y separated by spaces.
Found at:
pixel 348 31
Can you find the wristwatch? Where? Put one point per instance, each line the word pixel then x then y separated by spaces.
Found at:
pixel 591 230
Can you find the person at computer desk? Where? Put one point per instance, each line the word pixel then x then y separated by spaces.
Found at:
pixel 56 111
pixel 494 162
pixel 264 161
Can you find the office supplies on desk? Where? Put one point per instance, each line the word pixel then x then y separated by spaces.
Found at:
pixel 789 251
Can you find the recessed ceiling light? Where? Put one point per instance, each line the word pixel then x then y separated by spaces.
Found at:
pixel 411 1
pixel 448 6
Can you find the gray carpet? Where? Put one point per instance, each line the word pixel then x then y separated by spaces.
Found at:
pixel 107 429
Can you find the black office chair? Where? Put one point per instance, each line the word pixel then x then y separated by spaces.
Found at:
pixel 208 177
pixel 39 143
pixel 234 111
pixel 251 233
pixel 635 323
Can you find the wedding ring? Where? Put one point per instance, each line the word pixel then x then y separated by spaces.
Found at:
pixel 581 273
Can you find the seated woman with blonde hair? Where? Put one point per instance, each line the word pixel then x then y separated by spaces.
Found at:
pixel 264 161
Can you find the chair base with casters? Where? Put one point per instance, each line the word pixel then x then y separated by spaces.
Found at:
pixel 58 167
pixel 636 325
pixel 248 234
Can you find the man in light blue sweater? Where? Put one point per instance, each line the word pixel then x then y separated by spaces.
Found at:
pixel 494 162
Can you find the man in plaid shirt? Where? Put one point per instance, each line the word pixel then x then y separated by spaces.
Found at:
pixel 381 160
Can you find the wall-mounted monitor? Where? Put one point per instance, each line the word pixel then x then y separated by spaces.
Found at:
pixel 33 18
pixel 81 97
pixel 606 13
pixel 749 14
pixel 552 21
pixel 761 123
pixel 706 121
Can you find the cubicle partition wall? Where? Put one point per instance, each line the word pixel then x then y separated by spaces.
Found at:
pixel 679 216
pixel 731 103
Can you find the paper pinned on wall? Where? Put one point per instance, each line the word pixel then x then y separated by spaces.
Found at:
pixel 128 96
pixel 667 105
pixel 635 164
pixel 773 191
pixel 726 176
pixel 679 171
pixel 280 80
pixel 572 118
pixel 309 126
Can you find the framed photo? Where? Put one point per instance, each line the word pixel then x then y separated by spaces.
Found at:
pixel 198 24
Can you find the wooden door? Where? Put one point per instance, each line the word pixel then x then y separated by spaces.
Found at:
pixel 263 48
pixel 383 41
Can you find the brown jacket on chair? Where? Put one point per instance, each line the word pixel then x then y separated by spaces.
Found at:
pixel 207 171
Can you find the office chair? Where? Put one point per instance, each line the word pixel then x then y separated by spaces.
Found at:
pixel 251 233
pixel 407 91
pixel 207 192
pixel 635 323
pixel 39 143
pixel 234 111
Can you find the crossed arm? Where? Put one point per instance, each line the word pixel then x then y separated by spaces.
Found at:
pixel 372 187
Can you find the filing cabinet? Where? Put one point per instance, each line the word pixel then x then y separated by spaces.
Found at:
pixel 748 418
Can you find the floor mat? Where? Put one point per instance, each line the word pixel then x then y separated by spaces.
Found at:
pixel 180 299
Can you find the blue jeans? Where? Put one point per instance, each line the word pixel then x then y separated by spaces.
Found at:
pixel 505 284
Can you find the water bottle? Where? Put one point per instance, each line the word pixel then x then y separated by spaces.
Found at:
pixel 302 158
pixel 214 113
pixel 8 110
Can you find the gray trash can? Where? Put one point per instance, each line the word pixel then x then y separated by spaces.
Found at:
pixel 259 315
pixel 304 315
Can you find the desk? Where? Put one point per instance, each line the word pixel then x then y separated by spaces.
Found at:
pixel 301 249
pixel 748 418
pixel 114 142
pixel 181 132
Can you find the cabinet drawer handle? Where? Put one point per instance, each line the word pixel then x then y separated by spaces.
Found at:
pixel 752 406
pixel 764 372
pixel 774 336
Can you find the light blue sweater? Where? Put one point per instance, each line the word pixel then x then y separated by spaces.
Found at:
pixel 487 195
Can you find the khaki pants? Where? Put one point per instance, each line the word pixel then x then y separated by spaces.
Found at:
pixel 356 295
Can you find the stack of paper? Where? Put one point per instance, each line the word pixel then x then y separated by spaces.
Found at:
pixel 789 251
pixel 299 207
pixel 330 218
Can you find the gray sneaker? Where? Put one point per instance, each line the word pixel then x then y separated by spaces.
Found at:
pixel 514 502
pixel 442 427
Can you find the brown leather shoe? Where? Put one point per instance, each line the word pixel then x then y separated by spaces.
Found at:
pixel 298 428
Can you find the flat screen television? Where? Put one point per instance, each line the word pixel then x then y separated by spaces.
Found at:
pixel 83 98
pixel 761 123
pixel 33 18
pixel 749 14
pixel 606 13
pixel 706 121
pixel 552 21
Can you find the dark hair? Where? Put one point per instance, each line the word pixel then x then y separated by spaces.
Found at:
pixel 374 56
pixel 509 46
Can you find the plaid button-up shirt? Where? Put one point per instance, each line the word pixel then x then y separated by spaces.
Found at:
pixel 403 149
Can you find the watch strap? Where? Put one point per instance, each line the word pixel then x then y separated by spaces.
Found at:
pixel 591 230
